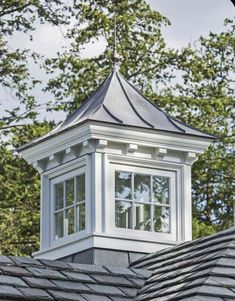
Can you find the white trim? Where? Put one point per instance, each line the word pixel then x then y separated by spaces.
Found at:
pixel 102 241
pixel 139 233
pixel 48 179
pixel 114 133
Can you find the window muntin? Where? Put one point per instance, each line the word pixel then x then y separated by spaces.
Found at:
pixel 142 201
pixel 69 206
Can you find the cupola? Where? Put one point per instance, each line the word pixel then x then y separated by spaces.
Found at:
pixel 115 176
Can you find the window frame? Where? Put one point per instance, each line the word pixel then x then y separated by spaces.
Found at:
pixel 154 171
pixel 63 178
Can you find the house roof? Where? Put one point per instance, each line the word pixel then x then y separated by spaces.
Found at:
pixel 24 278
pixel 118 102
pixel 200 270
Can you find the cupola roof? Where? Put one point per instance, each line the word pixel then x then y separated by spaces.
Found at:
pixel 117 101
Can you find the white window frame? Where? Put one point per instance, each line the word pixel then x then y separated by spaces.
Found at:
pixel 171 174
pixel 62 179
pixel 79 165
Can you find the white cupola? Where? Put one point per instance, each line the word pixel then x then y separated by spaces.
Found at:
pixel 115 175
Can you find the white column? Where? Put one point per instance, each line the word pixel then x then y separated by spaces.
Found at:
pixel 96 194
pixel 45 220
pixel 186 203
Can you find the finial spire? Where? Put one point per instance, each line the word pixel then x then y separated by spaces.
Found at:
pixel 116 56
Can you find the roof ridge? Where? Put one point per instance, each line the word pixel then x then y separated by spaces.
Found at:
pixel 131 104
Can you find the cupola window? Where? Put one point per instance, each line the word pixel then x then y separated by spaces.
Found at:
pixel 142 201
pixel 69 206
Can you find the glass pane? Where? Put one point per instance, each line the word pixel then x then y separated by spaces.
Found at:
pixel 142 185
pixel 70 220
pixel 123 185
pixel 81 217
pixel 59 196
pixel 161 189
pixel 123 214
pixel 81 195
pixel 69 192
pixel 59 225
pixel 161 219
pixel 143 217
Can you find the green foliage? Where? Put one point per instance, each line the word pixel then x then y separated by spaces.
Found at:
pixel 193 84
pixel 202 97
pixel 205 99
pixel 139 43
pixel 22 16
pixel 19 195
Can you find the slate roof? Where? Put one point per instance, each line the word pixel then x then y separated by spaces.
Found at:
pixel 201 270
pixel 24 278
pixel 116 101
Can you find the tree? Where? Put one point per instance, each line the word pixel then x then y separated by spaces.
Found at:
pixel 200 93
pixel 139 43
pixel 22 16
pixel 19 191
pixel 19 194
pixel 206 101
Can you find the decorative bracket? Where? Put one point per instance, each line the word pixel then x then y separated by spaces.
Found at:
pixel 131 148
pixel 101 144
pixel 39 166
pixel 160 152
pixel 190 157
pixel 56 157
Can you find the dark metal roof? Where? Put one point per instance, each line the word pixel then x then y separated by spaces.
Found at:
pixel 117 101
pixel 200 270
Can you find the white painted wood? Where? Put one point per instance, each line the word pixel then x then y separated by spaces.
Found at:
pixel 115 133
pixel 160 152
pixel 99 149
pixel 131 148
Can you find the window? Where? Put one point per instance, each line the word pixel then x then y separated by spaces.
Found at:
pixel 142 201
pixel 69 206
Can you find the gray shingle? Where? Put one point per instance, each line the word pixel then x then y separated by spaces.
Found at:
pixel 5 260
pixel 55 264
pixel 66 296
pixel 120 271
pixel 14 281
pixel 25 261
pixel 204 268
pixel 106 290
pixel 46 273
pixel 130 292
pixel 145 274
pixel 79 277
pixel 95 298
pixel 88 268
pixel 9 292
pixel 35 294
pixel 121 299
pixel 71 286
pixel 14 270
pixel 113 280
pixel 39 282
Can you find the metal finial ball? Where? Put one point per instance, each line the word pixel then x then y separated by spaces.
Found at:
pixel 116 57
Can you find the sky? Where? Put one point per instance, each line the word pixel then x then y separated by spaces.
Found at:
pixel 189 18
